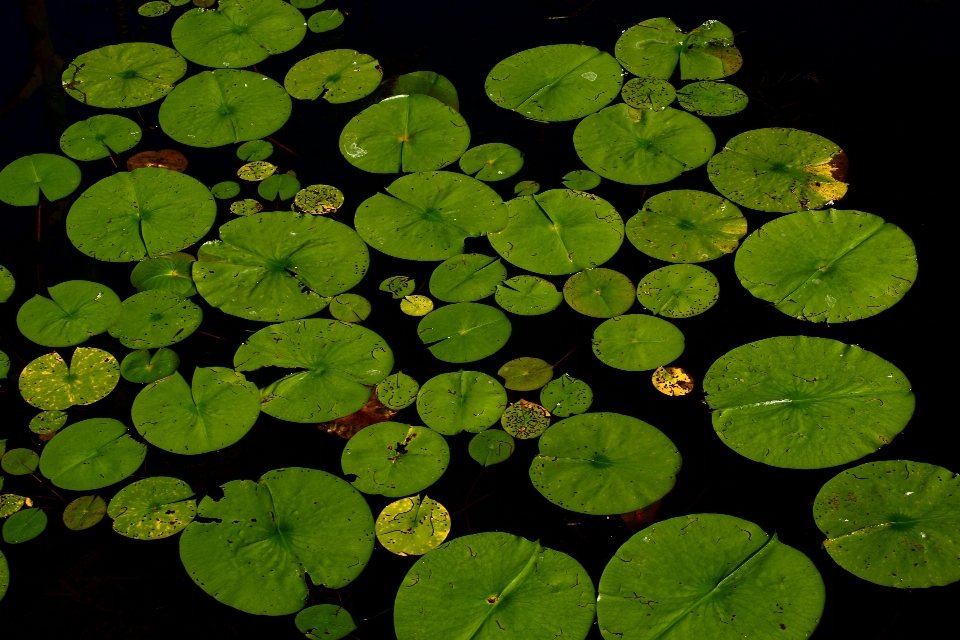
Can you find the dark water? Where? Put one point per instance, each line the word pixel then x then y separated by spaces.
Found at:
pixel 859 73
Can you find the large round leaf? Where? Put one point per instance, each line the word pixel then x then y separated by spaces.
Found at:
pixel 556 82
pixel 140 214
pixel 708 576
pixel 653 48
pixel 637 342
pixel 394 459
pixel 894 523
pixel 22 180
pixel 266 537
pixel 559 231
pixel 604 463
pixel 99 137
pixel 461 401
pixel 337 76
pixel 47 383
pixel 678 291
pixel 213 412
pixel 428 83
pixel 156 318
pixel 91 454
pixel 464 332
pixel 123 75
pixel 75 311
pixel 221 107
pixel 806 403
pixel 828 266
pixel 643 146
pixel 279 265
pixel 494 585
pixel 599 293
pixel 466 278
pixel 170 272
pixel 528 295
pixel 429 215
pixel 405 133
pixel 152 508
pixel 337 364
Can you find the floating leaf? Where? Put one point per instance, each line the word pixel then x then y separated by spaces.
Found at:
pixel 687 226
pixel 526 374
pixel 372 412
pixel 22 180
pixel 152 508
pixel 399 286
pixel 712 99
pixel 599 293
pixel 283 186
pixel 169 273
pixel 306 4
pixel 643 146
pixel 10 503
pixel 319 199
pixel 464 332
pixel 337 76
pixel 637 343
pixel 461 401
pixel 411 527
pixel 323 21
pixel 75 311
pixel 24 526
pixel 394 459
pixel 325 621
pixel 492 162
pixel 672 381
pixel 648 93
pixel 84 512
pixel 164 159
pixel 123 75
pixel 225 190
pixel 581 180
pixel 398 391
pixel 566 396
pixel 47 423
pixel 256 171
pixel 91 454
pixel 828 266
pixel 100 136
pixel 893 523
pixel 255 150
pixel 806 403
pixel 416 305
pixel 156 318
pixel 525 420
pixel 20 462
pixel 526 188
pixel 528 296
pixel 653 48
pixel 558 232
pixel 349 307
pixel 154 9
pixel 678 291
pixel 467 278
pixel 492 446
pixel 7 284
pixel 327 534
pixel 47 383
pixel 245 207
pixel 4 365
pixel 4 575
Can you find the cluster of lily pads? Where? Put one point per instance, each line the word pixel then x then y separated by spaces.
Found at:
pixel 794 402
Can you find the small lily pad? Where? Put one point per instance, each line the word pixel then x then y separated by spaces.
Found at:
pixel 350 307
pixel 528 295
pixel 156 318
pixel 256 171
pixel 282 185
pixel 24 526
pixel 225 190
pixel 566 396
pixel 84 512
pixel 648 93
pixel 48 383
pixel 492 446
pixel 99 137
pixel 154 8
pixel 255 150
pixel 525 420
pixel 4 575
pixel 526 188
pixel 412 527
pixel 464 332
pixel 467 278
pixel 394 459
pixel 678 291
pixel 325 621
pixel 4 365
pixel 416 306
pixel 399 286
pixel 7 284
pixel 581 180
pixel 22 181
pixel 152 508
pixel 10 503
pixel 75 311
pixel 492 162
pixel 46 423
pixel 430 84
pixel 337 76
pixel 526 374
pixel 20 462
pixel 143 368
pixel 123 75
pixel 246 207
pixel 397 391
pixel 712 99
pixel 672 381
pixel 321 22
pixel 599 293
pixel 637 343
pixel 170 273
pixel 653 48
pixel 91 454
pixel 319 199
pixel 461 401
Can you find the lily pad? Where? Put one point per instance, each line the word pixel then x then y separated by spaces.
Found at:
pixel 255 150
pixel 893 523
pixel 123 75
pixel 494 585
pixel 412 527
pixel 256 171
pixel 687 226
pixel 430 84
pixel 47 423
pixel 84 512
pixel 10 503
pixel 325 621
pixel 164 159
pixel 216 108
pixel 648 93
pixel 599 293
pixel 350 307
pixel 556 82
pixel 292 523
pixel 337 76
pixel 644 146
pixel 246 207
pixel 99 137
pixel 526 374
pixel 279 265
pixel 397 391
pixel 558 232
pixel 7 284
pixel 140 214
pixel 461 401
pixel 19 462
pixel 399 286
pixel 405 133
pixel 47 383
pixel 22 180
pixel 143 368
pixel 581 180
pixel 319 199
pixel 336 365
pixel 464 332
pixel 672 381
pixel 566 396
pixel 604 463
pixel 528 295
pixel 678 291
pixel 525 420
pixel 491 447
pixel 283 186
pixel 239 33
pixel 170 273
pixel 653 48
pixel 24 526
pixel 526 188
pixel 806 403
pixel 91 454
pixel 416 305
pixel 637 343
pixel 4 575
pixel 225 190
pixel 154 8
pixel 712 99
pixel 394 459
pixel 156 318
pixel 780 170
pixel 467 277
pixel 75 311
pixel 708 575
pixel 492 162
pixel 323 21
pixel 4 365
pixel 828 266
pixel 152 508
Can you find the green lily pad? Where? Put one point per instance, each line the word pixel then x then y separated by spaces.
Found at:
pixel 467 277
pixel 84 512
pixel 306 4
pixel 123 75
pixel 48 422
pixel 397 391
pixel 140 214
pixel 394 459
pixel 279 265
pixel 99 137
pixel 555 83
pixel 648 93
pixel 525 420
pixel 893 523
pixel 566 396
pixel 256 171
pixel 239 33
pixel 678 291
pixel 225 190
pixel 246 207
pixel 216 108
pixel 604 463
pixel 22 180
pixel 91 454
pixel 325 621
pixel 653 48
pixel 336 364
pixel 712 99
pixel 405 133
pixel 494 585
pixel 24 526
pixel 492 162
pixel 581 180
pixel 526 188
pixel 75 311
pixel 411 527
pixel 599 293
pixel 281 185
pixel 558 232
pixel 708 575
pixel 337 76
pixel 828 266
pixel 10 503
pixel 350 307
pixel 154 8
pixel 169 273
pixel 4 575
pixel 806 403
pixel 152 508
pixel 399 286
pixel 318 199
pixel 528 295
pixel 526 374
pixel 292 523
pixel 4 365
pixel 636 342
pixel 255 150
pixel 461 401
pixel 492 446
pixel 7 284
pixel 643 146
pixel 156 318
pixel 687 226
pixel 780 170
pixel 323 21
pixel 430 84
pixel 143 368
pixel 19 462
pixel 47 383
pixel 464 332
pixel 417 306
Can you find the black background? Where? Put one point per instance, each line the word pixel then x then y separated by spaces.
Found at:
pixel 864 74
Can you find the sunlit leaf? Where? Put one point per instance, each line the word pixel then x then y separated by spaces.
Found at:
pixel 528 296
pixel 394 459
pixel 154 8
pixel 398 391
pixel 526 188
pixel 123 75
pixel 648 93
pixel 75 311
pixel 566 396
pixel 255 150
pixel 7 284
pixel 492 162
pixel 636 342
pixel 461 401
pixel 653 48
pixel 599 293
pixel 581 180
pixel 22 180
pixel 525 420
pixel 411 527
pixel 712 99
pixel 256 171
pixel 152 508
pixel 100 136
pixel 156 318
pixel 246 207
pixel 350 307
pixel 464 332
pixel 91 454
pixel 467 278
pixel 47 383
pixel 319 199
pixel 281 186
pixel 323 21
pixel 491 447
pixel 10 503
pixel 416 305
pixel 84 512
pixel 526 374
pixel 672 381
pixel 47 423
pixel 337 76
pixel 678 291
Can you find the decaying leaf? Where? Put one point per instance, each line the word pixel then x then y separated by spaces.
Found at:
pixel 163 159
pixel 672 381
pixel 372 412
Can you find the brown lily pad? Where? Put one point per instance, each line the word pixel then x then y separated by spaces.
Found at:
pixel 163 159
